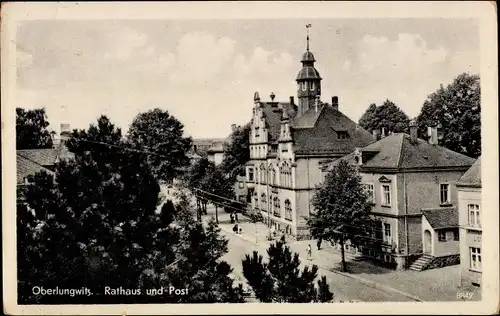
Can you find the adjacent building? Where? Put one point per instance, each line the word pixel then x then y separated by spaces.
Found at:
pixel 412 185
pixel 469 209
pixel 289 142
pixel 216 153
pixel 31 161
pixel 200 146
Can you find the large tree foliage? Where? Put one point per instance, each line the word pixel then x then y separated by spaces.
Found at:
pixel 342 209
pixel 31 129
pixel 456 109
pixel 95 224
pixel 280 279
pixel 209 183
pixel 237 151
pixel 388 115
pixel 159 132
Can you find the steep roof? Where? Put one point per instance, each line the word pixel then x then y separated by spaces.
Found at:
pixel 318 132
pixel 472 177
pixel 273 112
pixel 396 151
pixel 442 217
pixel 26 167
pixel 43 157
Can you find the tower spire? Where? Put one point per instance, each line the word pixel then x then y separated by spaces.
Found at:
pixel 307 38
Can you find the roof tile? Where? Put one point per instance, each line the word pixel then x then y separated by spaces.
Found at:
pixel 442 218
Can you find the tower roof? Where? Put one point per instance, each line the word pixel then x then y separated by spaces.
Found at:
pixel 308 57
pixel 308 73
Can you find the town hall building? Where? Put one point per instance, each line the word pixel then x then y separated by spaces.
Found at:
pixel 289 142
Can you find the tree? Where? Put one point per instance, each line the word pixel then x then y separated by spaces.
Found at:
pixel 31 129
pixel 200 269
pixel 217 187
pixel 388 115
pixel 196 180
pixel 159 132
pixel 456 110
pixel 280 279
pixel 237 152
pixel 342 210
pixel 94 224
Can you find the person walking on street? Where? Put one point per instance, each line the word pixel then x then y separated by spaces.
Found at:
pixel 231 216
pixel 309 252
pixel 319 243
pixel 236 217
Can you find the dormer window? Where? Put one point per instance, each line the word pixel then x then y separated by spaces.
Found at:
pixel 342 135
pixel 312 86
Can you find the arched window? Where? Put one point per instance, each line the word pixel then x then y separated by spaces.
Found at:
pixel 276 208
pixel 263 202
pixel 304 86
pixel 282 175
pixel 312 86
pixel 273 175
pixel 288 210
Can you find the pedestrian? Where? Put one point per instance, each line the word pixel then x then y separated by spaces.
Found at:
pixel 319 243
pixel 231 216
pixel 235 229
pixel 309 252
pixel 241 230
pixel 236 217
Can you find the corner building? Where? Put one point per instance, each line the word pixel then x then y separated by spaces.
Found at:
pixel 289 143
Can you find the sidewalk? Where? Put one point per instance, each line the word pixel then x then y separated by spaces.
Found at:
pixel 430 285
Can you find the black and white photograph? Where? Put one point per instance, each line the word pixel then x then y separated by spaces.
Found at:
pixel 182 156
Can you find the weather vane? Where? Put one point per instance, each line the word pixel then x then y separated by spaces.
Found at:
pixel 307 28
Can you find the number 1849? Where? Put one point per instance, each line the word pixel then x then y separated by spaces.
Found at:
pixel 465 295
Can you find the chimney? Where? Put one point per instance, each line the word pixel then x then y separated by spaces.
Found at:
pixel 413 132
pixel 272 96
pixel 335 102
pixel 292 101
pixel 65 132
pixel 433 135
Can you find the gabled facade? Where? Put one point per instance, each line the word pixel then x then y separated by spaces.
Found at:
pixel 470 211
pixel 289 142
pixel 412 184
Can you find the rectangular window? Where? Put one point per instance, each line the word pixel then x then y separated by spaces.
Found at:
pixel 442 236
pixel 386 194
pixel 370 192
pixel 445 193
pixel 387 233
pixel 474 216
pixel 241 185
pixel 250 175
pixel 456 236
pixel 475 258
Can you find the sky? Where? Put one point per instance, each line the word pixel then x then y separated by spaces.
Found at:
pixel 205 72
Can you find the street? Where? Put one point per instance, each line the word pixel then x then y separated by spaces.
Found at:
pixel 344 288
